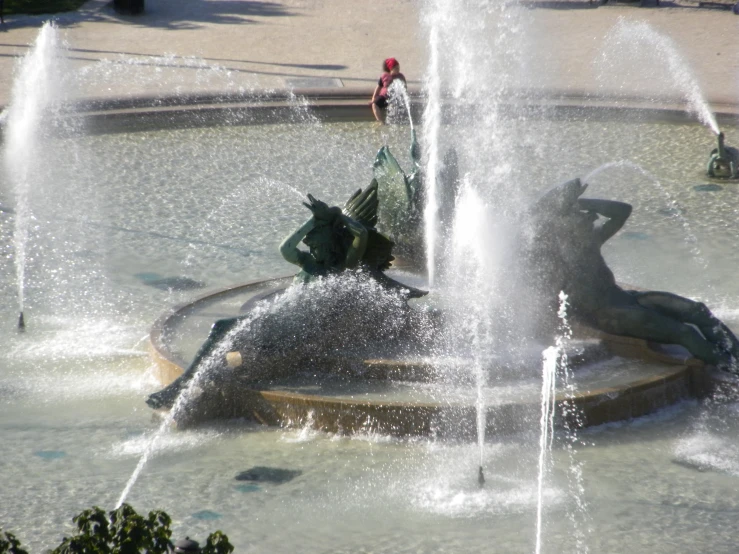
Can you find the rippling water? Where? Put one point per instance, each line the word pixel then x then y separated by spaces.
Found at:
pixel 117 217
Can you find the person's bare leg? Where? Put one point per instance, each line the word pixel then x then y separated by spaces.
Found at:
pixel 379 113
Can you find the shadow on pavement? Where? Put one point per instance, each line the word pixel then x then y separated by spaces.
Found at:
pixel 164 14
pixel 184 14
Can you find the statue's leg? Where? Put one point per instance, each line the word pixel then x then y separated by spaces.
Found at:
pixel 643 323
pixel 167 396
pixel 695 313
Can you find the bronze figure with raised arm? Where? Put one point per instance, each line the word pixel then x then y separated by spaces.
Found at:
pixel 568 236
pixel 336 242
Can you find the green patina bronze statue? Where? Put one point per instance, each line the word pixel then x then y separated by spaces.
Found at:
pixel 402 197
pixel 319 321
pixel 564 254
pixel 723 162
pixel 340 240
pixel 336 242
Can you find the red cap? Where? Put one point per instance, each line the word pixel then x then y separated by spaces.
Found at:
pixel 390 63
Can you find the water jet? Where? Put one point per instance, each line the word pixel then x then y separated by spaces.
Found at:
pixel 392 456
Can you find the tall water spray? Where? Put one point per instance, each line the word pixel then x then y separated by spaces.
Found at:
pixel 476 56
pixel 431 129
pixel 474 51
pixel 572 422
pixel 546 424
pixel 37 93
pixel 634 40
pixel 473 334
pixel 556 369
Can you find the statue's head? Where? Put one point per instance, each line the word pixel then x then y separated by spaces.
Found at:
pixel 559 200
pixel 329 242
pixel 329 239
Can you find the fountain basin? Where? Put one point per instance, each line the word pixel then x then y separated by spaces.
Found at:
pixel 75 382
pixel 398 397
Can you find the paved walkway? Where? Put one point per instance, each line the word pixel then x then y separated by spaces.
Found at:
pixel 233 45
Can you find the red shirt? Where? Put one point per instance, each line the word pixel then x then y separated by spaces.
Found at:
pixel 386 79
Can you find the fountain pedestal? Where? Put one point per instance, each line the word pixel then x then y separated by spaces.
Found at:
pixel 663 375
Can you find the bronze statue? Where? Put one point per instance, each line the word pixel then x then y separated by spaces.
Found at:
pixel 289 335
pixel 403 197
pixel 336 242
pixel 723 162
pixel 565 255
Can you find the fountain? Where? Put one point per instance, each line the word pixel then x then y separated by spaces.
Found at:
pixel 398 454
pixel 38 91
pixel 723 161
pixel 633 40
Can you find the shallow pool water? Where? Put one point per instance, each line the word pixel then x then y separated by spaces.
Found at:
pixel 115 213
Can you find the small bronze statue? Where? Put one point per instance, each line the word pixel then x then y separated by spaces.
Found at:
pixel 565 256
pixel 724 161
pixel 403 197
pixel 336 242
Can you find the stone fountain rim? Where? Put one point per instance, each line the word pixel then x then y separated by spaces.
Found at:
pixel 682 378
pixel 107 114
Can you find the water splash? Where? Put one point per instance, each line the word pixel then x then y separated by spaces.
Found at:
pixel 572 422
pixel 191 391
pixel 399 92
pixel 556 365
pixel 481 414
pixel 431 148
pixel 37 91
pixel 546 424
pixel 631 40
pixel 472 269
pixel 301 108
pixel 475 58
pixel 326 300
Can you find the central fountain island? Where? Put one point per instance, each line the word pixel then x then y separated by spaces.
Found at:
pixel 344 347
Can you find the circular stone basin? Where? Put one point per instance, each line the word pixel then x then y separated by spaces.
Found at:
pixel 405 396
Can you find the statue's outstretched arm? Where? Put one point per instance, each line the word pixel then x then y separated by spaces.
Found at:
pixel 616 212
pixel 359 244
pixel 289 247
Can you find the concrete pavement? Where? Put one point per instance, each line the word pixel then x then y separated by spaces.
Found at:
pixel 205 46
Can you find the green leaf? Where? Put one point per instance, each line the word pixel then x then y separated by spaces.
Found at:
pixel 9 544
pixel 217 543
